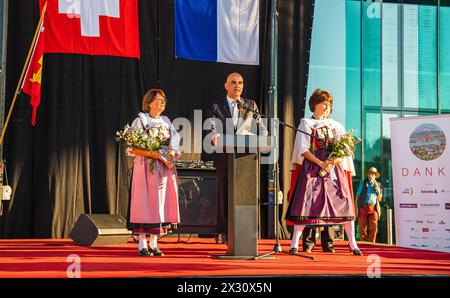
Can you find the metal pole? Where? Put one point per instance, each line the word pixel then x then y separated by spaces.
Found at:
pixel 273 107
pixel 389 227
pixel 4 30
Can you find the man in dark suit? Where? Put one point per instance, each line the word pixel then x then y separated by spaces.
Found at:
pixel 231 115
pixel 326 238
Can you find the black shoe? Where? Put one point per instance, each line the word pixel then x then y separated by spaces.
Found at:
pixel 157 252
pixel 293 251
pixel 329 250
pixel 307 249
pixel 144 252
pixel 357 252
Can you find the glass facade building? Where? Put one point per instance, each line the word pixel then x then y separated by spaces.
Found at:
pixel 381 59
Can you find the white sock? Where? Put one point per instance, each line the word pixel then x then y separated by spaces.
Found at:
pixel 349 228
pixel 142 241
pixel 298 229
pixel 153 241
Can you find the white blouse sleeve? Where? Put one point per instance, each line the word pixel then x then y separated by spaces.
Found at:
pixel 302 143
pixel 175 137
pixel 137 123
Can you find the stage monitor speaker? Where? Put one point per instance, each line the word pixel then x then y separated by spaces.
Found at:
pixel 100 229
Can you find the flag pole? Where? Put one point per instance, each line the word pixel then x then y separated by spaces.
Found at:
pixel 25 67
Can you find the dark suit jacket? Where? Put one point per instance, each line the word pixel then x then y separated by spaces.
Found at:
pixel 220 111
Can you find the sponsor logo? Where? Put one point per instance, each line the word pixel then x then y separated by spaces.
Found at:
pixel 425 230
pixel 437 238
pixel 447 239
pixel 442 222
pixel 427 141
pixel 447 230
pixel 428 191
pixel 419 221
pixel 435 230
pixel 408 205
pixel 424 238
pixel 429 205
pixel 447 247
pixel 424 245
pixel 414 230
pixel 447 206
pixel 414 237
pixel 430 222
pixel 408 220
pixel 408 191
pixel 414 245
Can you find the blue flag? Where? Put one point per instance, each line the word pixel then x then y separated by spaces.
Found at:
pixel 217 30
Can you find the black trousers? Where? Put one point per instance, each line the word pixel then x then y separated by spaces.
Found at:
pixel 309 238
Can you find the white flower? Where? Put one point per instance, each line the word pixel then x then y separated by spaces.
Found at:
pixel 153 132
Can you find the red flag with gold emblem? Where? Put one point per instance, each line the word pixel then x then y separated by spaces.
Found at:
pixel 32 82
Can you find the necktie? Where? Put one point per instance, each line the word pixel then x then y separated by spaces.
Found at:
pixel 235 114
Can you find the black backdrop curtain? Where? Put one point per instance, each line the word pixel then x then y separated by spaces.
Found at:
pixel 295 24
pixel 70 163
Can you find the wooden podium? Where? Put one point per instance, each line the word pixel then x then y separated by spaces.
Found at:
pixel 243 157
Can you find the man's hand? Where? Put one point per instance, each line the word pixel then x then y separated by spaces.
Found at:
pixel 377 188
pixel 214 140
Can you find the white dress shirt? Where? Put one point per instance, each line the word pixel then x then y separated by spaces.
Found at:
pixel 233 109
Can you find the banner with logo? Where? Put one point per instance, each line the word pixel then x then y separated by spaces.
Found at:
pixel 421 176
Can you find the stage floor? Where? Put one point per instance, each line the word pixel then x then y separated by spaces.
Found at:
pixel 48 258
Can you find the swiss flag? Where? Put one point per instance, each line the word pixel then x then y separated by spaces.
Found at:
pixel 92 27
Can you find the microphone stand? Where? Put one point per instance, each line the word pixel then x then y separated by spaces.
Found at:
pixel 245 107
pixel 277 247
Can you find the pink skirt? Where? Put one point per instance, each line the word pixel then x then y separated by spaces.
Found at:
pixel 153 204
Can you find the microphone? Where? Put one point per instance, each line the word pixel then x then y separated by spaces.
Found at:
pixel 241 104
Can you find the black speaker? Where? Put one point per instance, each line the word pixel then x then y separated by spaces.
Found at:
pixel 100 229
pixel 199 209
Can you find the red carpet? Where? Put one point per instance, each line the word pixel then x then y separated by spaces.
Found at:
pixel 47 258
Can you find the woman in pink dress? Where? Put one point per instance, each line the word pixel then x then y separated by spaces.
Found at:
pixel 153 207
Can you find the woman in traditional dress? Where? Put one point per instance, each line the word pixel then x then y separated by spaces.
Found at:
pixel 154 191
pixel 317 200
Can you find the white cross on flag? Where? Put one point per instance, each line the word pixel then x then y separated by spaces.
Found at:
pixel 93 27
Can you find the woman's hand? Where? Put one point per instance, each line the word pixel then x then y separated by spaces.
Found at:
pixel 170 156
pixel 327 166
pixel 335 161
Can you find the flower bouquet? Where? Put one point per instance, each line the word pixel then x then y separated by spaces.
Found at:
pixel 152 143
pixel 341 147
